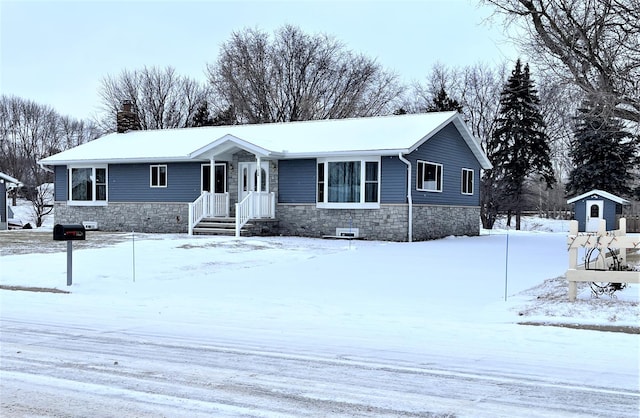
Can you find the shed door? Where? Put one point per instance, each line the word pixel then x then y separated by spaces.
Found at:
pixel 595 209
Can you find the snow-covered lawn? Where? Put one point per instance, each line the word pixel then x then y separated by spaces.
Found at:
pixel 438 303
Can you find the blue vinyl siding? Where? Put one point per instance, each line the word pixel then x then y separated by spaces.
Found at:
pixel 3 202
pixel 447 147
pixel 393 179
pixel 131 183
pixel 608 212
pixel 297 181
pixel 60 189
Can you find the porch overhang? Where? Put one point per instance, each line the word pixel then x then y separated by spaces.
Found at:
pixel 229 144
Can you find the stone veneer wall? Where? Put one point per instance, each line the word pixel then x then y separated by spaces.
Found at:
pixel 389 223
pixel 117 216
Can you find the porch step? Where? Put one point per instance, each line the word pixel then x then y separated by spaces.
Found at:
pixel 218 226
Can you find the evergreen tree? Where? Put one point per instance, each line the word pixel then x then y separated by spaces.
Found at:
pixel 442 103
pixel 201 116
pixel 225 117
pixel 603 154
pixel 519 146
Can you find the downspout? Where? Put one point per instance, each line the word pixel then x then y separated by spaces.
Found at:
pixel 409 199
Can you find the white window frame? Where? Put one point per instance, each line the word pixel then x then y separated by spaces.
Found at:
pixel 93 201
pixel 349 205
pixel 421 182
pixel 166 176
pixel 463 183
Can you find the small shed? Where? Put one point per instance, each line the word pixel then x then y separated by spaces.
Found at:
pixel 595 205
pixel 6 183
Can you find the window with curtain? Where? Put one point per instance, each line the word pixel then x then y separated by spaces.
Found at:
pixel 348 183
pixel 87 184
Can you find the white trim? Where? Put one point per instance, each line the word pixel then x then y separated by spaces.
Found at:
pixel 166 176
pixel 462 182
pixel 439 181
pixel 600 194
pixel 341 205
pixel 87 203
pixel 363 173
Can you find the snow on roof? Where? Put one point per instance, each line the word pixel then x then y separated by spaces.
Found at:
pixel 382 135
pixel 600 193
pixel 7 178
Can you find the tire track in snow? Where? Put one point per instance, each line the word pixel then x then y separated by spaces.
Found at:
pixel 152 372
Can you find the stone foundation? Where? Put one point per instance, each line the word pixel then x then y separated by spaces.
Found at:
pixel 389 223
pixel 139 217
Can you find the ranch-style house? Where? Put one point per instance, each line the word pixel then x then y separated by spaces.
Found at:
pixel 396 178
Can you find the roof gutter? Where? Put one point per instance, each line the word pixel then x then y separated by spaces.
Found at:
pixel 44 168
pixel 409 198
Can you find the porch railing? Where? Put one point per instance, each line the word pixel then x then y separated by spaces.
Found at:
pixel 208 204
pixel 255 205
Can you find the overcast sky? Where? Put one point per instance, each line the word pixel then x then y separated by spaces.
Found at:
pixel 57 52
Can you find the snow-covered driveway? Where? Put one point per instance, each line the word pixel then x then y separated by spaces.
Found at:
pixel 296 327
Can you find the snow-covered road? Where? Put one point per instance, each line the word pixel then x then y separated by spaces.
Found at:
pixel 49 370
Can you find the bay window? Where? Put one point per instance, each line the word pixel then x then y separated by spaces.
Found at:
pixel 348 183
pixel 88 185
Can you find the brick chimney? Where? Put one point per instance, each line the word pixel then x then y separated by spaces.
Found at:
pixel 126 119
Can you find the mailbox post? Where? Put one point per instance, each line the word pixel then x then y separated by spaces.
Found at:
pixel 69 233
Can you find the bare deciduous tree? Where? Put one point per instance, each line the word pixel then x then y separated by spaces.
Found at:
pixel 29 132
pixel 296 76
pixel 161 98
pixel 594 44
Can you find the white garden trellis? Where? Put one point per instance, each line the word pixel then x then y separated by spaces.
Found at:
pixel 610 265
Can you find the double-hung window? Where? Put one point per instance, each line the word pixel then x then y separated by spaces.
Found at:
pixel 429 176
pixel 348 183
pixel 88 185
pixel 158 176
pixel 467 181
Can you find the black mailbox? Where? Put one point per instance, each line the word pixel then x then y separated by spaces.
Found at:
pixel 68 232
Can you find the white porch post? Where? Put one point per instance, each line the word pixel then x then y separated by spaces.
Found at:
pixel 212 175
pixel 259 175
pixel 259 185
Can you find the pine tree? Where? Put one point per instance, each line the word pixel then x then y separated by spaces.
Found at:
pixel 442 103
pixel 519 146
pixel 201 117
pixel 603 154
pixel 225 117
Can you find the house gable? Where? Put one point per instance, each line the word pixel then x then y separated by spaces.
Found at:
pixel 447 148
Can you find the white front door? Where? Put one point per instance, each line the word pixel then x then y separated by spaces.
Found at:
pixel 594 215
pixel 248 178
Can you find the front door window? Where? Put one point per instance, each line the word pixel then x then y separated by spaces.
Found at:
pixel 248 181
